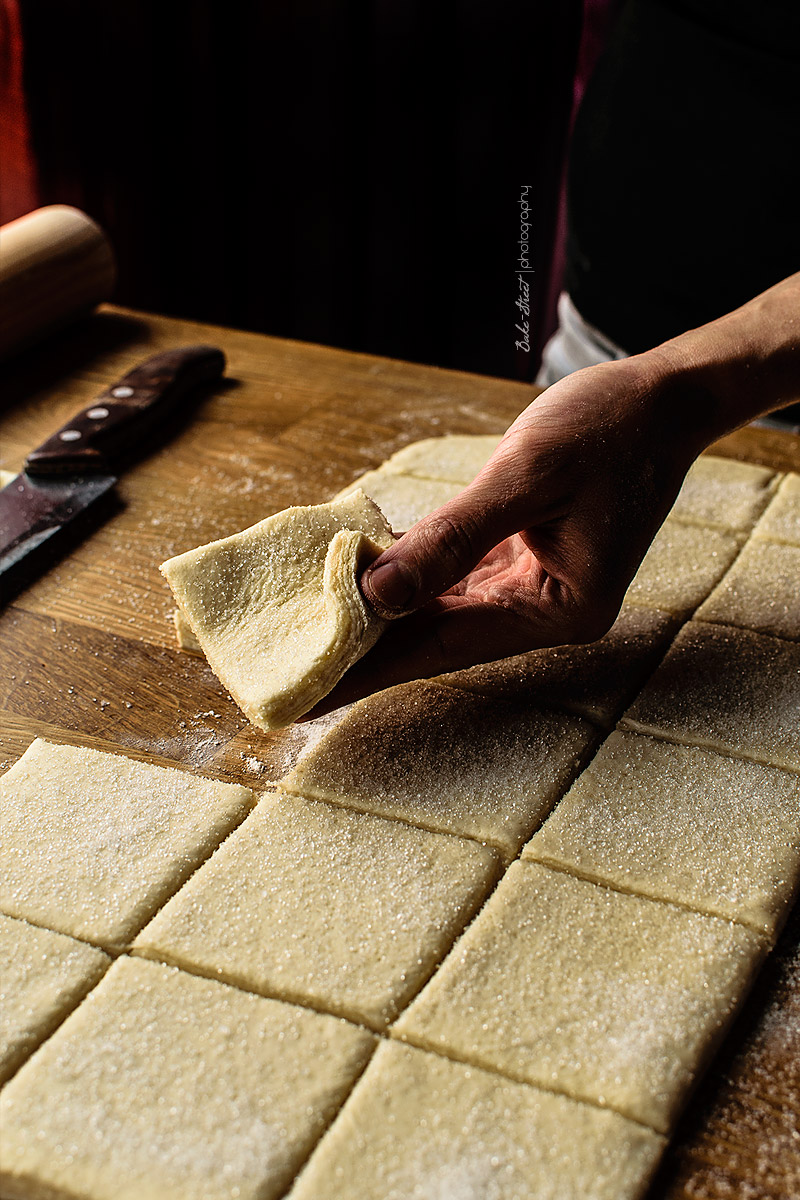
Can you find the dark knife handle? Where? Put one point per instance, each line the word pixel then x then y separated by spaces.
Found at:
pixel 123 415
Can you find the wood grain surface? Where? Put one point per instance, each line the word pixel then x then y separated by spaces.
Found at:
pixel 88 654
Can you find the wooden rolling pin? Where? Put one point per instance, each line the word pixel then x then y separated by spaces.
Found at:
pixel 55 265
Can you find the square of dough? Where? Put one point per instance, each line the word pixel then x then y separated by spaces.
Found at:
pixel 447 761
pixel 403 499
pixel 682 566
pixel 595 680
pixel 682 823
pixel 761 591
pixel 614 999
pixel 164 1085
pixel 94 843
pixel 454 457
pixel 277 609
pixel 724 492
pixel 729 689
pixel 331 907
pixel 781 521
pixel 420 1125
pixel 44 975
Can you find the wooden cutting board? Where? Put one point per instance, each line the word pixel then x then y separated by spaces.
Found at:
pixel 88 654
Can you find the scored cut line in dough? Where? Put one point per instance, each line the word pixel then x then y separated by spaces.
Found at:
pixel 724 492
pixel 614 999
pixel 596 680
pixel 781 521
pixel 44 975
pixel 727 688
pixel 372 907
pixel 682 823
pixel 93 843
pixel 420 1125
pixel 485 769
pixel 277 608
pixel 760 592
pixel 168 1087
pixel 681 567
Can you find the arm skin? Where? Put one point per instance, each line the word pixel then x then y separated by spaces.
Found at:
pixel 540 548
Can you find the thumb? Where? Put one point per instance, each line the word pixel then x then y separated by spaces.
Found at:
pixel 435 554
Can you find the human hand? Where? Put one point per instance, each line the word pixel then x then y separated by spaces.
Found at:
pixel 539 550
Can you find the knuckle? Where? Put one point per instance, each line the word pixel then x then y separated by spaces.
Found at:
pixel 453 539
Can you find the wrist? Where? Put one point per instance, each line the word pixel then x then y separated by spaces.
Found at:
pixel 669 410
pixel 684 399
pixel 745 364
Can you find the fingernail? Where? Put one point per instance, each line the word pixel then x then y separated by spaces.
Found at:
pixel 389 588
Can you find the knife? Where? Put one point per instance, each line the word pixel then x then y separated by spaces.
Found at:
pixel 57 496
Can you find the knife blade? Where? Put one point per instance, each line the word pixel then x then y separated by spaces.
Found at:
pixel 59 494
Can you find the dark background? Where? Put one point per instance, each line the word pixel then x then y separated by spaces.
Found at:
pixel 342 172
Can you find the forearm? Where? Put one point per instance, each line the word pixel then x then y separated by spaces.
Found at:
pixel 742 366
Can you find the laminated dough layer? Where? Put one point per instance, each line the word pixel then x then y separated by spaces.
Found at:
pixel 681 823
pixel 726 688
pixel 781 521
pixel 724 492
pixel 277 609
pixel 761 591
pixel 420 1125
pixel 447 761
pixel 681 567
pixel 184 634
pixel 335 908
pixel 165 1086
pixel 94 843
pixel 595 680
pixel 403 499
pixel 44 975
pixel 614 999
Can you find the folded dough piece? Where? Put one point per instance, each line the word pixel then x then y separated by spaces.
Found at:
pixel 276 608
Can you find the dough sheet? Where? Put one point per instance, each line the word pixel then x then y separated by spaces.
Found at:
pixel 781 521
pixel 725 493
pixel 403 499
pixel 761 591
pixel 681 823
pixel 335 908
pixel 94 843
pixel 447 761
pixel 44 975
pixel 277 609
pixel 681 567
pixel 611 998
pixel 455 457
pixel 162 1085
pixel 595 680
pixel 583 998
pixel 418 1125
pixel 726 688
